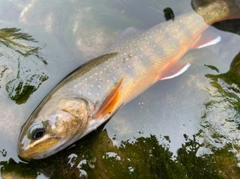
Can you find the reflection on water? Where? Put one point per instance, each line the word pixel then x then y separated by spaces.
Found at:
pixel 97 157
pixel 25 77
pixel 183 128
pixel 221 128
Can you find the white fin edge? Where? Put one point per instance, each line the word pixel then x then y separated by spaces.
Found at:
pixel 179 72
pixel 213 42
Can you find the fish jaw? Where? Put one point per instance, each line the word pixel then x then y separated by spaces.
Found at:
pixel 26 152
pixel 53 127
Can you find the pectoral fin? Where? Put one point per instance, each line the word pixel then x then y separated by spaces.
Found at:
pixel 110 102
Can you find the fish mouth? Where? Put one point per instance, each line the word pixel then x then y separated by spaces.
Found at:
pixel 39 149
pixel 26 156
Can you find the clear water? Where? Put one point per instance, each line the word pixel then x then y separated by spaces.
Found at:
pixel 187 127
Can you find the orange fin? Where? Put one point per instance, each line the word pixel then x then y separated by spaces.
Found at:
pixel 207 38
pixel 110 101
pixel 174 71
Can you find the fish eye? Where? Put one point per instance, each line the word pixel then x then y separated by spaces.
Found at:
pixel 38 134
pixel 36 131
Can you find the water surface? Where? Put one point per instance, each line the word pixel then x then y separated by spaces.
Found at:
pixel 186 127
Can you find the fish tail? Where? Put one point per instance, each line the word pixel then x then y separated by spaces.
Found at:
pixel 217 10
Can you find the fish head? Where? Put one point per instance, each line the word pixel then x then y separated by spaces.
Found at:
pixel 55 124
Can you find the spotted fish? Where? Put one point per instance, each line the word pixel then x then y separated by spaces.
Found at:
pixel 89 96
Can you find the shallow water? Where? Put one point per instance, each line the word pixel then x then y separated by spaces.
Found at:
pixel 186 127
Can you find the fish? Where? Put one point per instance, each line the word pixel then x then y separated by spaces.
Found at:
pixel 93 93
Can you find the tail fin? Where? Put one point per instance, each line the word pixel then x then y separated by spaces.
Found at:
pixel 217 10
